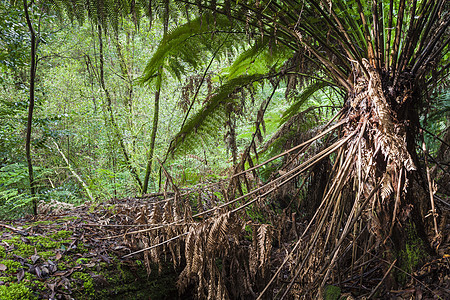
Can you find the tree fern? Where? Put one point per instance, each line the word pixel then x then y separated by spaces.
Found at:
pixel 207 122
pixel 301 99
pixel 259 58
pixel 187 45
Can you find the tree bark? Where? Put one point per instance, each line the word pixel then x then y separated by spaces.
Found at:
pixel 31 106
pixel 153 134
pixel 112 120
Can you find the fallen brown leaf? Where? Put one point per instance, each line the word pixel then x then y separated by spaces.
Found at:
pixel 20 275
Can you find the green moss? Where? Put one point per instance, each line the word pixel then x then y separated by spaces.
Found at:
pixel 24 250
pixel 331 292
pixel 37 223
pixel 8 279
pixel 60 235
pixel 29 276
pixel 413 254
pixel 82 248
pixel 47 254
pixel 82 260
pixel 2 252
pixel 53 222
pixel 15 291
pixel 11 265
pixel 87 283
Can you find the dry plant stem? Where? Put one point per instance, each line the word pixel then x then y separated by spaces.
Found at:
pixel 290 255
pixel 275 157
pixel 382 280
pixel 157 245
pixel 431 190
pixel 317 136
pixel 294 148
pixel 10 228
pixel 295 172
pixel 340 241
pixel 303 167
pixel 135 225
pixel 397 202
pixel 305 231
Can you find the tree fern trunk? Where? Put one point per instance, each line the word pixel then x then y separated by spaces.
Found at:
pixel 386 154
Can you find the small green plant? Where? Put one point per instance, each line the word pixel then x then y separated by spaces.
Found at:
pixel 412 255
pixel 331 292
pixel 88 283
pixel 11 266
pixel 15 291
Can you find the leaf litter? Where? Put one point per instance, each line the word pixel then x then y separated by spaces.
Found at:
pixel 99 236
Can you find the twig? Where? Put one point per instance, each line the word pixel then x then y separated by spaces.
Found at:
pixel 83 184
pixel 134 225
pixel 154 246
pixel 11 228
pixel 301 168
pixel 382 280
pixel 397 201
pixel 431 189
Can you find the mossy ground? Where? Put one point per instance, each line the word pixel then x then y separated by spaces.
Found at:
pixel 55 258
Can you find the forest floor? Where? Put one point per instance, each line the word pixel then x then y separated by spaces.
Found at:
pixel 66 254
pixel 78 253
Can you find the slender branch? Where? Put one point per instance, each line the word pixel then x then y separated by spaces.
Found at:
pixel 153 134
pixel 31 106
pixel 83 184
pixel 112 120
pixel 157 245
pixel 382 280
pixel 430 189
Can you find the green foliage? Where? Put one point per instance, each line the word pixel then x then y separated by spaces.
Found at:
pixel 13 38
pixel 207 122
pixel 299 100
pixel 16 291
pixel 187 46
pixel 264 55
pixel 331 292
pixel 438 121
pixel 14 198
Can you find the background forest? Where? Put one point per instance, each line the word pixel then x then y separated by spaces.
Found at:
pixel 100 128
pixel 269 139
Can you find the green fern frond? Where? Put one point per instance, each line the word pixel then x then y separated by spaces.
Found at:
pixel 259 59
pixel 207 122
pixel 301 99
pixel 187 45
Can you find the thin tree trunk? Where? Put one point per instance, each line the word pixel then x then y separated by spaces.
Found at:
pixel 153 134
pixel 31 107
pixel 111 115
pixel 83 184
